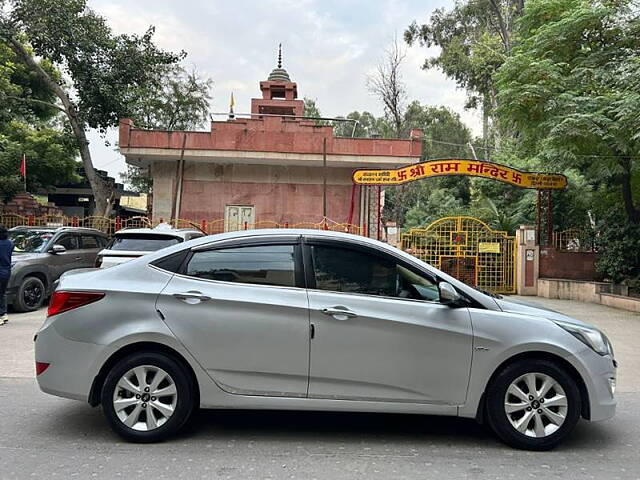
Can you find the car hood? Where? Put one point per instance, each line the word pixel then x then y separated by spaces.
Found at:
pixel 25 257
pixel 516 306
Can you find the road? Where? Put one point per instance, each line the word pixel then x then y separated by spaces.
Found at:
pixel 47 437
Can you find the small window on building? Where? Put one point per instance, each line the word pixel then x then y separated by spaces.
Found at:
pixel 261 265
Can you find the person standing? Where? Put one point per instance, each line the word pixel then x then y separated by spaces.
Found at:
pixel 6 250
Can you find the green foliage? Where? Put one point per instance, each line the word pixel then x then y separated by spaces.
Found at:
pixel 439 203
pixel 110 74
pixel 137 179
pixel 176 100
pixel 10 186
pixel 29 124
pixel 474 39
pixel 619 258
pixel 571 91
pixel 50 154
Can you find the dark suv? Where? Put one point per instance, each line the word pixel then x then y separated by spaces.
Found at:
pixel 42 254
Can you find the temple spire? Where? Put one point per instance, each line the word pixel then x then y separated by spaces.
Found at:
pixel 280 55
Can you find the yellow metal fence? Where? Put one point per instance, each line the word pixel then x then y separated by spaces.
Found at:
pixel 111 225
pixel 467 249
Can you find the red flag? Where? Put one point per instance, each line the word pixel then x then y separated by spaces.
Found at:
pixel 23 166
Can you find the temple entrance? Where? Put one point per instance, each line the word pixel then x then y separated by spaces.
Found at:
pixel 467 249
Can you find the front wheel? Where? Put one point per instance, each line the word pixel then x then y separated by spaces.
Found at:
pixel 147 397
pixel 533 404
pixel 30 296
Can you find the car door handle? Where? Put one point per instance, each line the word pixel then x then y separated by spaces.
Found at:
pixel 192 297
pixel 339 313
pixel 78 258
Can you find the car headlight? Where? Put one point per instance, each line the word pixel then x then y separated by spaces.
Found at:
pixel 591 337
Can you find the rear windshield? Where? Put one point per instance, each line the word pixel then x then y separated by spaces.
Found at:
pixel 142 242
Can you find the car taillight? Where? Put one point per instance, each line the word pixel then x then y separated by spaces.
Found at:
pixel 41 367
pixel 62 301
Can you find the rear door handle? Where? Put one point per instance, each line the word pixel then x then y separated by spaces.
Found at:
pixel 192 297
pixel 78 258
pixel 339 313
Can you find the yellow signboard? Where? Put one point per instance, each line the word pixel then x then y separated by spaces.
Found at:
pixel 488 247
pixel 474 168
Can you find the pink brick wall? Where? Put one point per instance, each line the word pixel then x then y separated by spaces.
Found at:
pixel 284 202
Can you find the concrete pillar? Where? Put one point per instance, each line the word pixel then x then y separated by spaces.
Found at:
pixel 527 260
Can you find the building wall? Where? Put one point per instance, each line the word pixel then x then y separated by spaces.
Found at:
pixel 568 265
pixel 280 193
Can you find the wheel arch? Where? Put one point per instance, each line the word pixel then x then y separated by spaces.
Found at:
pixel 539 355
pixel 138 347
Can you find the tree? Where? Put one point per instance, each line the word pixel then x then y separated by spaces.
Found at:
pixel 177 100
pixel 445 136
pixel 571 90
pixel 104 74
pixel 29 125
pixel 387 85
pixel 474 39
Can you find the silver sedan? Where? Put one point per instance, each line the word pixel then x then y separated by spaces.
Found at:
pixel 314 320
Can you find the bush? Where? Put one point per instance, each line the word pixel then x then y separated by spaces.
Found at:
pixel 619 258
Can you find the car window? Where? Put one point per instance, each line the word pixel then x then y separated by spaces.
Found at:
pixel 142 242
pixel 261 265
pixel 89 241
pixel 69 241
pixel 30 241
pixel 354 271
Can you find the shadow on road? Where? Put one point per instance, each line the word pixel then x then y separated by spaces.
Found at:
pixel 73 421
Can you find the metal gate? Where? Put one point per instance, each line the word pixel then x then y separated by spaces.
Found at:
pixel 467 249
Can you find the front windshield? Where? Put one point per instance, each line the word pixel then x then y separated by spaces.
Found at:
pixel 30 241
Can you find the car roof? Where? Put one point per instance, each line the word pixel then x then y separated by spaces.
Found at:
pixel 57 229
pixel 175 232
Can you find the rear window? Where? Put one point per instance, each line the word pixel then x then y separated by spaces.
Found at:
pixel 142 242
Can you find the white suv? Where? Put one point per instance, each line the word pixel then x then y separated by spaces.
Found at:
pixel 131 243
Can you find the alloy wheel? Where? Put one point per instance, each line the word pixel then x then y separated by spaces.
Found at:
pixel 536 405
pixel 32 295
pixel 145 398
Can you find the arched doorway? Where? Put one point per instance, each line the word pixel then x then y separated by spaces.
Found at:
pixel 467 249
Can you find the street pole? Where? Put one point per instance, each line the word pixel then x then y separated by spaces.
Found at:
pixel 324 180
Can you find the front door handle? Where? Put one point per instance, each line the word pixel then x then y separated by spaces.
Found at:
pixel 78 258
pixel 192 297
pixel 339 313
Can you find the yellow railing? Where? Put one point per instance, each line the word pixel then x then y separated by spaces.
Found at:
pixel 111 225
pixel 467 249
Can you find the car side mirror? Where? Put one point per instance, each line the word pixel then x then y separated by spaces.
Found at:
pixel 448 294
pixel 58 249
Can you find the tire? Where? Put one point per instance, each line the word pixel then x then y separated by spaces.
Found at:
pixel 148 418
pixel 544 421
pixel 30 296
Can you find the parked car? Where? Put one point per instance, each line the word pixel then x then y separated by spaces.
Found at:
pixel 42 254
pixel 314 320
pixel 131 243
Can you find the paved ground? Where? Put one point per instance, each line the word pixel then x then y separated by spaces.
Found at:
pixel 47 437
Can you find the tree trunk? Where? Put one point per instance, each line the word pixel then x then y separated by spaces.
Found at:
pixel 502 26
pixel 102 192
pixel 633 213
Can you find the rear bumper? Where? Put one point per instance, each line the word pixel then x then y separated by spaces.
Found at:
pixel 70 373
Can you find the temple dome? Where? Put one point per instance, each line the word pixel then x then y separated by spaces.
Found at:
pixel 279 75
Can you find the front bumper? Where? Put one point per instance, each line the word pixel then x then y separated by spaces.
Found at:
pixel 71 370
pixel 599 370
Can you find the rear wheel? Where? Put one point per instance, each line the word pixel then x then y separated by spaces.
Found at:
pixel 31 294
pixel 147 397
pixel 533 404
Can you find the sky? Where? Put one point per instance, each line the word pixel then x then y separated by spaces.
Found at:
pixel 329 48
